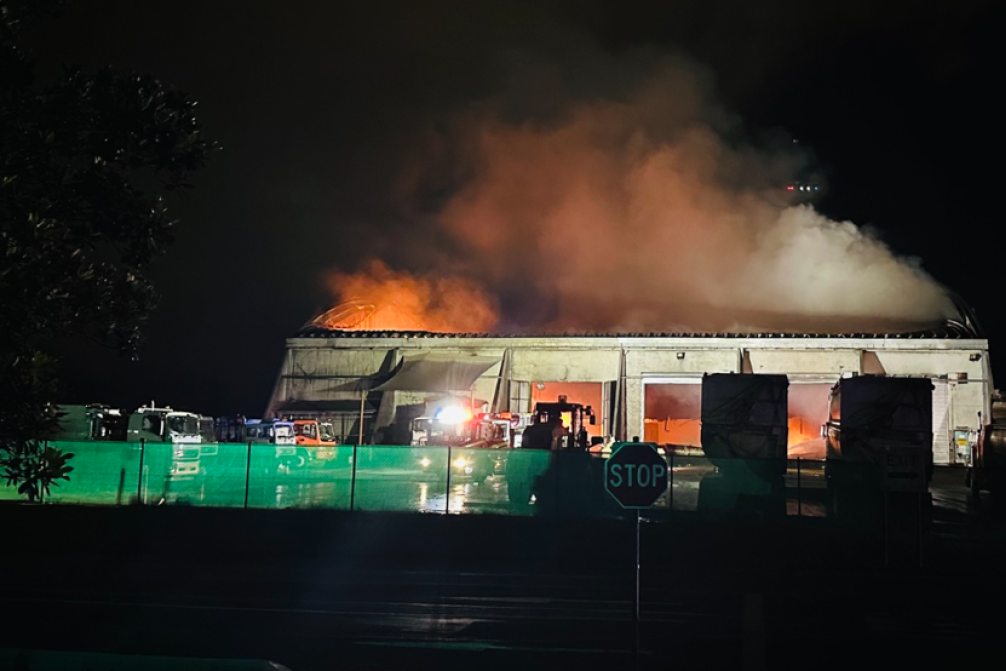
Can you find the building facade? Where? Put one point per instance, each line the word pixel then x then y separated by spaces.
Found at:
pixel 645 385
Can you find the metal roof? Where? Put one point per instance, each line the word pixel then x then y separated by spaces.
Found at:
pixel 950 330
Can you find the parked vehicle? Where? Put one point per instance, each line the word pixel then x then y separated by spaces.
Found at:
pixel 315 440
pixel 872 419
pixel 93 421
pixel 280 433
pixel 478 445
pixel 229 429
pixel 163 425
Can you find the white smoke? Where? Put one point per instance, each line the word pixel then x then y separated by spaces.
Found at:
pixel 643 212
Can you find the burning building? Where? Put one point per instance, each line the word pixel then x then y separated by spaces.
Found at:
pixel 348 365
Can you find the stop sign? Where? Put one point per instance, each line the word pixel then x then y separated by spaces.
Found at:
pixel 635 474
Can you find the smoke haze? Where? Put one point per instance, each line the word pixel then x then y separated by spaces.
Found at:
pixel 643 210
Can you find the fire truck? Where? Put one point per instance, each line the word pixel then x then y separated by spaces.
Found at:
pixel 478 443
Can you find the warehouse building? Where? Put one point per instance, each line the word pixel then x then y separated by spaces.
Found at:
pixel 645 385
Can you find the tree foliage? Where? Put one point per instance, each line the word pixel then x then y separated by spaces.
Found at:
pixel 80 222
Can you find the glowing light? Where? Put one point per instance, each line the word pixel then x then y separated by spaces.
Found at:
pixel 789 188
pixel 460 462
pixel 424 462
pixel 453 414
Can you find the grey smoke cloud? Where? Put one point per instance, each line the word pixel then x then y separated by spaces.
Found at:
pixel 642 211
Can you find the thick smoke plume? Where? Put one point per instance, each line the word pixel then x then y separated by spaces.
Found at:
pixel 642 211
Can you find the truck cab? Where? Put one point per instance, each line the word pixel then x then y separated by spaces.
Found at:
pixel 276 432
pixel 314 432
pixel 164 425
pixel 272 431
pixel 315 441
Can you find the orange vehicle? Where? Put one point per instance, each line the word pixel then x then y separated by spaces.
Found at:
pixel 315 438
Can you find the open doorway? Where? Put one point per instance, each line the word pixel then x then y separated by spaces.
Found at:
pixel 808 410
pixel 673 410
pixel 672 413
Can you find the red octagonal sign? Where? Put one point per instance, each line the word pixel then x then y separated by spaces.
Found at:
pixel 635 474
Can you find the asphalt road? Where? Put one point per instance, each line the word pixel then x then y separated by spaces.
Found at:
pixel 536 621
pixel 318 590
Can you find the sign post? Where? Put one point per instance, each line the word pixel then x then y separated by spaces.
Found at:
pixel 904 470
pixel 636 476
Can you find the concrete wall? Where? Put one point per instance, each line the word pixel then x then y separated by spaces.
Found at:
pixel 804 362
pixel 565 365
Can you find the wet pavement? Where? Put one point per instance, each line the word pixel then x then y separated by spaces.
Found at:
pixel 316 589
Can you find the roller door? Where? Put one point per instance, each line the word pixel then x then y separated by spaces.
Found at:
pixel 941 422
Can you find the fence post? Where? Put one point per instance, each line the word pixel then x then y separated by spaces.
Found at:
pixel 352 481
pixel 887 545
pixel 447 497
pixel 670 480
pixel 38 464
pixel 248 473
pixel 799 491
pixel 122 485
pixel 139 479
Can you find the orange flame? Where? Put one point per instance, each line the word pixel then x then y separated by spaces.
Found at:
pixel 378 298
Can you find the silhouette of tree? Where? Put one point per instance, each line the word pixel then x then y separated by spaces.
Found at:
pixel 77 231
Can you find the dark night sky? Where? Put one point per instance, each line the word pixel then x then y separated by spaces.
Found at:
pixel 316 103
